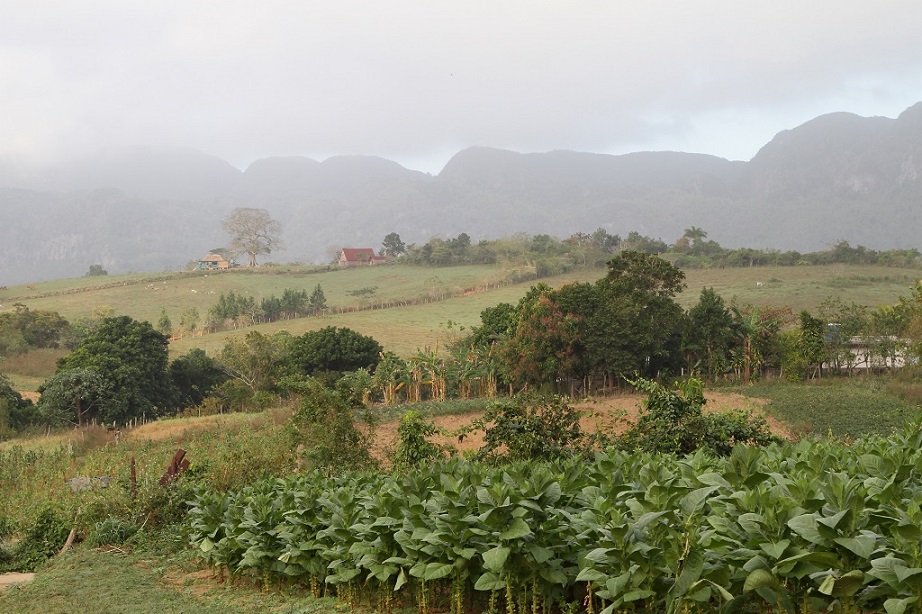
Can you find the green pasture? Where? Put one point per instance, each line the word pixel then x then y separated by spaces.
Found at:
pixel 404 329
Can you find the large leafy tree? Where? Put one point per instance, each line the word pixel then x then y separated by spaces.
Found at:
pixel 195 375
pixel 544 345
pixel 638 324
pixel 393 246
pixel 252 232
pixel 332 349
pixel 15 412
pixel 132 358
pixel 711 335
pixel 77 396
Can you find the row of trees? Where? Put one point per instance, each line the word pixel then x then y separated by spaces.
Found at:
pixel 234 310
pixel 122 372
pixel 691 250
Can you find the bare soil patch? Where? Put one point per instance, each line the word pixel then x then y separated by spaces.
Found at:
pixel 8 579
pixel 614 414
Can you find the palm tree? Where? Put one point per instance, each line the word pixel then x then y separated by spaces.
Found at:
pixel 695 234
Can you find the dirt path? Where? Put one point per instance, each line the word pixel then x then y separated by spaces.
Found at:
pixel 614 414
pixel 7 579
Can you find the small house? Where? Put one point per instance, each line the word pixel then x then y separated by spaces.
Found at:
pixel 359 256
pixel 213 262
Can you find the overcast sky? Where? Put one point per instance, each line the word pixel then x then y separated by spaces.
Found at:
pixel 417 81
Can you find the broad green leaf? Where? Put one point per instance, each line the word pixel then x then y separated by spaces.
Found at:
pixel 843 586
pixel 553 575
pixel 598 555
pixel 435 571
pixel 207 545
pixel 694 501
pixel 899 606
pixel 589 574
pixel 518 528
pixel 401 580
pixel 691 571
pixel 862 545
pixel 495 558
pixel 637 595
pixel 489 581
pixel 713 479
pixel 758 578
pixel 540 554
pixel 805 526
pixel 775 550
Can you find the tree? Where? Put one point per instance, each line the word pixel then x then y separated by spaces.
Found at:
pixel 76 396
pixel 317 301
pixel 392 246
pixel 252 232
pixel 164 324
pixel 132 358
pixel 96 270
pixel 711 332
pixel 15 412
pixel 332 349
pixel 256 361
pixel 638 325
pixel 195 375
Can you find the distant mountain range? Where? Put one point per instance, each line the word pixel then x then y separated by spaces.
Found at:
pixel 839 176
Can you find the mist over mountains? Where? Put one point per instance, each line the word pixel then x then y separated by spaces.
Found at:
pixel 839 176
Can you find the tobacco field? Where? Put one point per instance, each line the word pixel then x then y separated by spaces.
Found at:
pixel 812 526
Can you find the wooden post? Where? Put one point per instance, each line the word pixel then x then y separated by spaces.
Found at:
pixel 134 480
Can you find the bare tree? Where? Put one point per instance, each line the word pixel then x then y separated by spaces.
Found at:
pixel 252 232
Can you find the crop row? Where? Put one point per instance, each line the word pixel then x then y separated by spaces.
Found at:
pixel 799 527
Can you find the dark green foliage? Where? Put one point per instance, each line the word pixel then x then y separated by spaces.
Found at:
pixel 496 324
pixel 23 329
pixel 324 425
pixel 96 270
pixel 393 246
pixel 132 357
pixel 710 335
pixel 673 423
pixel 76 397
pixel 255 362
pixel 531 427
pixel 413 448
pixel 43 539
pixel 16 413
pixel 195 375
pixel 637 326
pixel 332 349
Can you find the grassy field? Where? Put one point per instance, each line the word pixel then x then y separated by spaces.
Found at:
pixel 406 329
pixel 838 407
pixel 115 581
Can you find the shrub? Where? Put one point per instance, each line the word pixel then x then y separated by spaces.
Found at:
pixel 414 449
pixel 673 423
pixel 43 540
pixel 325 425
pixel 531 427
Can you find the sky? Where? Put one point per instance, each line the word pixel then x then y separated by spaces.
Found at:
pixel 418 81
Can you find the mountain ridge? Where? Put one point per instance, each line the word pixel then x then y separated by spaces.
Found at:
pixel 837 176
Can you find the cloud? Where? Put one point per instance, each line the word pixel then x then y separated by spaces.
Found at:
pixel 410 79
